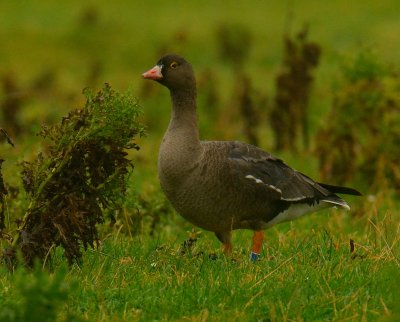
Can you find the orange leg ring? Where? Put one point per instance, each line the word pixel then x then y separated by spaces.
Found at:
pixel 258 238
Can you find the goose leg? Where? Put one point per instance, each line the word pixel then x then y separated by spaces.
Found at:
pixel 226 239
pixel 258 238
pixel 227 249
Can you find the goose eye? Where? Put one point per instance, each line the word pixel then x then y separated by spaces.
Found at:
pixel 174 65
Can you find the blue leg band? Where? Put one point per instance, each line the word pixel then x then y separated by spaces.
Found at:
pixel 254 256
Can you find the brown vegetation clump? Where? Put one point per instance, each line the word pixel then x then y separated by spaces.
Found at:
pixel 247 107
pixel 81 176
pixel 234 43
pixel 234 46
pixel 293 85
pixel 364 127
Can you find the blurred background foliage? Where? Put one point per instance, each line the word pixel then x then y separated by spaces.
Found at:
pixel 242 52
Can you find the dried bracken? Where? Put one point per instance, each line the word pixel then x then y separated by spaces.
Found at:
pixel 234 43
pixel 293 86
pixel 248 110
pixel 80 177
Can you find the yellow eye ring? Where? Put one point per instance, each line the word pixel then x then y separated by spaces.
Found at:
pixel 174 65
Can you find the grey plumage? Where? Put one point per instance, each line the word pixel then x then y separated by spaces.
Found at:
pixel 221 185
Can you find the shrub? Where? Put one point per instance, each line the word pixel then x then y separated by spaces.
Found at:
pixel 361 139
pixel 79 177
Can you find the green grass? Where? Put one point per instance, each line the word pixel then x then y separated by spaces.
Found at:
pixel 305 274
pixel 306 271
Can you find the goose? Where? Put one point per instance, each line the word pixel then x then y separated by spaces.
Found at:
pixel 221 186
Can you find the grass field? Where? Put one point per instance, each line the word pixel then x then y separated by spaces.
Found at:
pixel 328 266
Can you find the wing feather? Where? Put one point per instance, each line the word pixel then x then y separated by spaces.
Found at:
pixel 260 167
